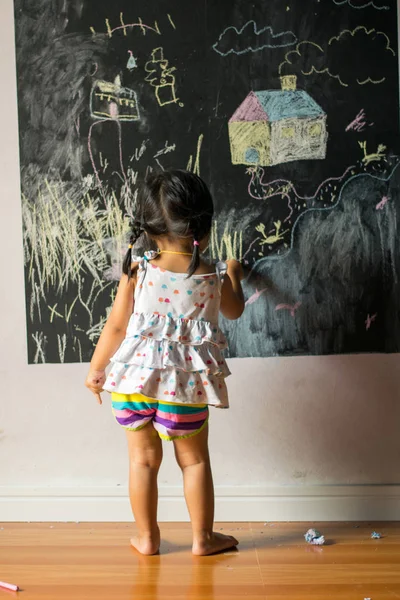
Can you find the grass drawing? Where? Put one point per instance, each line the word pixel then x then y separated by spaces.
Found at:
pixel 226 246
pixel 74 238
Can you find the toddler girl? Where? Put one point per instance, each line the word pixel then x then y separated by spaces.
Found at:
pixel 165 346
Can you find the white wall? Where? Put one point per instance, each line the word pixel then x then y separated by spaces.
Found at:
pixel 307 422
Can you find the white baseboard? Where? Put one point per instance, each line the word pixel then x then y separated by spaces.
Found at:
pixel 285 503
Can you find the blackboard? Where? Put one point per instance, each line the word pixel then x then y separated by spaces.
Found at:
pixel 289 110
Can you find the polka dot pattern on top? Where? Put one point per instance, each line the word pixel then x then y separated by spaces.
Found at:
pixel 173 349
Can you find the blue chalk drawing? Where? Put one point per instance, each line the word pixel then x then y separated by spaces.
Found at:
pixel 273 40
pixel 279 104
pixel 132 63
pixel 252 156
pixel 310 210
pixel 366 5
pixel 281 125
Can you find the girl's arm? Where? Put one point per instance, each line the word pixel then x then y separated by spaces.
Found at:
pixel 232 299
pixel 112 335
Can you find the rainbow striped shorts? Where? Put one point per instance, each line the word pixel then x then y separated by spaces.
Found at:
pixel 171 421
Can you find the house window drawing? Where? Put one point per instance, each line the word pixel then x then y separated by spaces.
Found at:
pixel 315 130
pixel 288 132
pixel 277 126
pixel 112 101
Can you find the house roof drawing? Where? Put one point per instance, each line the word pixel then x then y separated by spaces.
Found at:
pixel 275 105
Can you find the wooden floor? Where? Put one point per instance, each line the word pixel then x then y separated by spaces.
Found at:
pixel 89 561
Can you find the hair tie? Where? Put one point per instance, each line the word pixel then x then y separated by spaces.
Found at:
pixel 130 246
pixel 196 243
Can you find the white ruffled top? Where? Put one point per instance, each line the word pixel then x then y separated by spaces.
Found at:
pixel 173 345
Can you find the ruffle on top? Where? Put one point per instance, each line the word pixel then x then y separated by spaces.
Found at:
pixel 164 354
pixel 186 331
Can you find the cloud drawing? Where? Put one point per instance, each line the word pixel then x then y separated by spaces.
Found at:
pixel 366 50
pixel 250 39
pixel 359 4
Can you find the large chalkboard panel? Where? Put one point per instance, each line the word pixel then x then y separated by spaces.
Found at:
pixel 289 110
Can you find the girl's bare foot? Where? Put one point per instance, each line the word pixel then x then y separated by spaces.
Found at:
pixel 147 543
pixel 213 544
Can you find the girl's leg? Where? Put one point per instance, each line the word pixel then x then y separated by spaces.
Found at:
pixel 193 458
pixel 145 455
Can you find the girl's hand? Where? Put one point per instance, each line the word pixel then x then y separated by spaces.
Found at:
pixel 95 381
pixel 235 268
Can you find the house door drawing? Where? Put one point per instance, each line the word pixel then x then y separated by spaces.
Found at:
pixel 252 156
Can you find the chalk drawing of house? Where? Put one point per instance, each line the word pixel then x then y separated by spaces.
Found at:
pixel 278 126
pixel 112 101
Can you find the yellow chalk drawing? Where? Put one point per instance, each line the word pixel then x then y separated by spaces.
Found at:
pixel 376 156
pixel 246 136
pixel 271 239
pixel 337 38
pixel 289 83
pixel 229 245
pixel 62 346
pixel 369 80
pixel 76 341
pixel 141 26
pixel 39 339
pixel 68 311
pixel 121 18
pixel 65 228
pixel 111 100
pixel 315 130
pixel 266 133
pixel 127 26
pixel 327 72
pixel 171 21
pixel 313 69
pixel 288 132
pixel 367 31
pixel 160 76
pixel 53 312
pixel 196 167
pixel 64 240
pixel 296 51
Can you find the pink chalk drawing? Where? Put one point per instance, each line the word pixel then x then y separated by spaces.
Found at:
pixel 382 203
pixel 280 187
pixel 369 320
pixel 255 296
pixel 142 26
pixel 251 110
pixel 95 170
pixel 248 250
pixel 291 307
pixel 113 108
pixel 359 123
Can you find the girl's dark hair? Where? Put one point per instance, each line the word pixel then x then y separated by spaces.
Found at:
pixel 176 204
